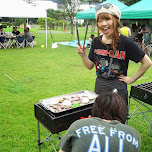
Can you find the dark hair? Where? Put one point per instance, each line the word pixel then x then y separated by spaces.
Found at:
pixel 1 26
pixel 116 25
pixel 110 106
pixel 125 23
pixel 92 36
pixel 26 30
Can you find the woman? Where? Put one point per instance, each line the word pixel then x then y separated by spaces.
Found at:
pixel 105 131
pixel 111 52
pixel 28 36
pixel 15 31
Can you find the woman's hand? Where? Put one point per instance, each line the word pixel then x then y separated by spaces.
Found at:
pixel 125 79
pixel 81 50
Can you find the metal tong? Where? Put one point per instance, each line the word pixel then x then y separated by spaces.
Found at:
pixel 85 34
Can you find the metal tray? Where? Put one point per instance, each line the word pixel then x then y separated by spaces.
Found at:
pixel 45 102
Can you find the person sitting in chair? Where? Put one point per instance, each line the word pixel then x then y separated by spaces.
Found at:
pixel 27 35
pixel 105 131
pixel 15 31
pixel 2 33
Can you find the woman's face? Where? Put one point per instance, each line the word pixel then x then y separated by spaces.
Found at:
pixel 106 26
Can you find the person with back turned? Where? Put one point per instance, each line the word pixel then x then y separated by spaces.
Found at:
pixel 125 30
pixel 105 131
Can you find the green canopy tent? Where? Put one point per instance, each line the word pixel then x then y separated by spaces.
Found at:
pixel 90 13
pixel 139 10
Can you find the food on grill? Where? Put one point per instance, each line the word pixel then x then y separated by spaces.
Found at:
pixel 58 117
pixel 76 105
pixel 68 101
pixel 85 100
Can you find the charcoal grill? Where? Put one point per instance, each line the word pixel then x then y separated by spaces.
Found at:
pixel 55 122
pixel 141 95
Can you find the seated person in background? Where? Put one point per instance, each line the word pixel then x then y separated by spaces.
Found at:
pixel 28 35
pixel 2 33
pixel 90 40
pixel 105 131
pixel 15 31
pixel 125 30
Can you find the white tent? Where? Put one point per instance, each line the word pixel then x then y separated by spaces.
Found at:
pixel 21 9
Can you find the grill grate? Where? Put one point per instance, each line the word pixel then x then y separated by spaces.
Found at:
pixel 142 92
pixel 145 86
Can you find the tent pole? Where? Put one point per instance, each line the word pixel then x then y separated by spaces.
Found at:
pixel 12 24
pixel 75 29
pixel 46 30
pixel 27 21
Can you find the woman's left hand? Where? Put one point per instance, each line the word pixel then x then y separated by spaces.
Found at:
pixel 125 79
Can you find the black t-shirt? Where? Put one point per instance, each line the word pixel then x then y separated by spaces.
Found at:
pixel 16 33
pixel 110 65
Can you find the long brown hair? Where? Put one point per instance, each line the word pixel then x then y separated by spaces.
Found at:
pixel 110 106
pixel 116 25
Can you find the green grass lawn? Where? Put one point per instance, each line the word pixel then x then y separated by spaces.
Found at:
pixel 30 74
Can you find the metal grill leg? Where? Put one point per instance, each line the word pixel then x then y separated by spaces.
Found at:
pixel 38 129
pixel 141 112
pixel 128 116
pixel 48 137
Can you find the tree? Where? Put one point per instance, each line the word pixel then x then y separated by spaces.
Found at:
pixel 50 22
pixel 56 14
pixel 70 7
pixel 126 2
pixel 18 21
pixel 41 21
pixel 129 2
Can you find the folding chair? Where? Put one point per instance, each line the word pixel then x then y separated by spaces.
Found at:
pixel 28 43
pixel 12 42
pixel 147 46
pixel 4 43
pixel 20 41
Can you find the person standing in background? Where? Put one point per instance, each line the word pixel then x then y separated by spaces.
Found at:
pixel 146 31
pixel 125 30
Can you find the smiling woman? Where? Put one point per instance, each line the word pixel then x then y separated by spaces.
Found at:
pixel 110 53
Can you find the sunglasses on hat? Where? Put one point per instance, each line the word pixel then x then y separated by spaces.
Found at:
pixel 106 5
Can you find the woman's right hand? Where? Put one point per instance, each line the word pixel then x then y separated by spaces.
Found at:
pixel 81 50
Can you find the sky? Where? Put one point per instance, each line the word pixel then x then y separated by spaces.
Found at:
pixel 46 4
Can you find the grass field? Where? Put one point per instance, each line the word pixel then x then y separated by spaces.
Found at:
pixel 30 74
